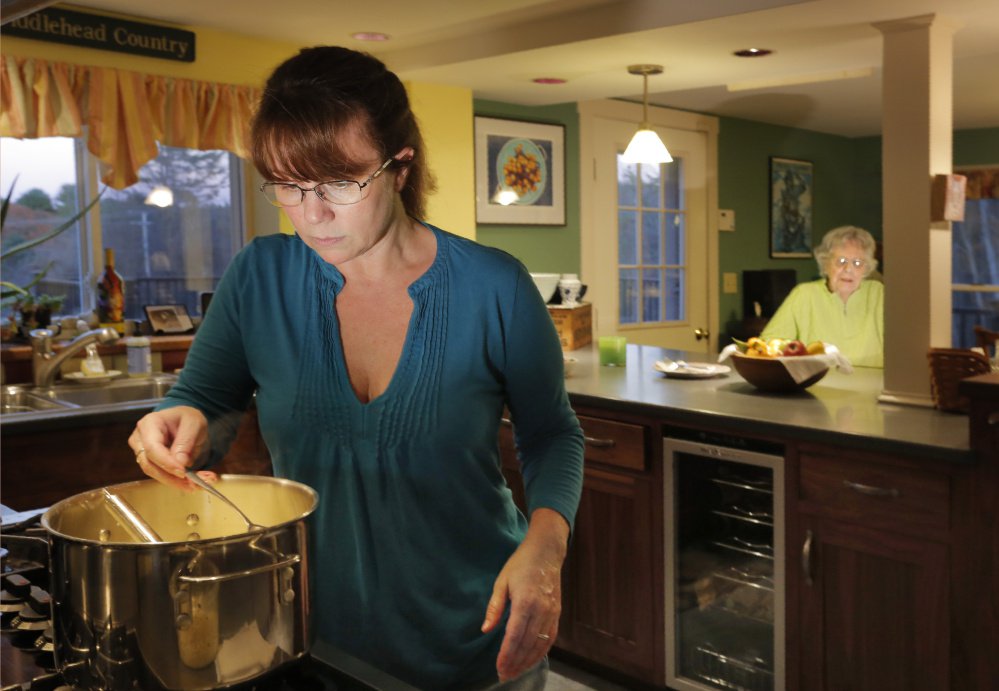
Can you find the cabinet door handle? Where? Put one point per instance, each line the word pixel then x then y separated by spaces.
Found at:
pixel 806 557
pixel 871 490
pixel 599 443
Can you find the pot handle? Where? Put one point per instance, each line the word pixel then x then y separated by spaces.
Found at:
pixel 287 561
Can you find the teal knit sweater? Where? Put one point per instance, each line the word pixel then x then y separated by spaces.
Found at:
pixel 415 520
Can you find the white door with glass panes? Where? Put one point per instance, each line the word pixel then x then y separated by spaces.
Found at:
pixel 646 249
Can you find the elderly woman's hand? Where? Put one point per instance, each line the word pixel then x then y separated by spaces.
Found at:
pixel 166 441
pixel 531 581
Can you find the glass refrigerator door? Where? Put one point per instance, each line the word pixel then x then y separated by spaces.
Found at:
pixel 725 591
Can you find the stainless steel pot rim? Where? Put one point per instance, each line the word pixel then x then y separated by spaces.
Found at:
pixel 95 495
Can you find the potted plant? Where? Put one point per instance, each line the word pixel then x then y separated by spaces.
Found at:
pixel 34 310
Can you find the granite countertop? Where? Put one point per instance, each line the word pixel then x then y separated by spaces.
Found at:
pixel 841 408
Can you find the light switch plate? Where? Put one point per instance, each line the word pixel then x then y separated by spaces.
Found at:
pixel 730 283
pixel 726 219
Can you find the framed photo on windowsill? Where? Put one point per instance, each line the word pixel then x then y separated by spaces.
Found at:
pixel 790 208
pixel 519 172
pixel 169 319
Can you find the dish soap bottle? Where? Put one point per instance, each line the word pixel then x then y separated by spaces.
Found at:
pixel 140 363
pixel 92 366
pixel 111 295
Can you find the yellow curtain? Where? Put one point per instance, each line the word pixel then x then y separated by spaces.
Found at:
pixel 126 113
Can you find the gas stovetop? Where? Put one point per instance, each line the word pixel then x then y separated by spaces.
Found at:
pixel 26 657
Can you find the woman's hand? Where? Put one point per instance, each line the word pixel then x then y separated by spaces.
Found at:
pixel 531 581
pixel 166 441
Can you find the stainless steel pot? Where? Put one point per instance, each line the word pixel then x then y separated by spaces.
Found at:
pixel 208 607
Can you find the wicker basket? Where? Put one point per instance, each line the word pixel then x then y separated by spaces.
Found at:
pixel 948 366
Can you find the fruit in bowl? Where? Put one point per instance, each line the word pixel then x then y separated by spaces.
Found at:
pixel 778 347
pixel 764 363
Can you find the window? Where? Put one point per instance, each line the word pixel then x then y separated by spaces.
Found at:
pixel 975 258
pixel 167 250
pixel 651 243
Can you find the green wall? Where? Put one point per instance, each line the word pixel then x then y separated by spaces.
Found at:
pixel 976 147
pixel 553 249
pixel 847 191
pixel 744 151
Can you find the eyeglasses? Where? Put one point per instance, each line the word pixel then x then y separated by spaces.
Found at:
pixel 843 262
pixel 340 192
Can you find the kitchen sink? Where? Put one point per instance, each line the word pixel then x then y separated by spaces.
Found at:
pixel 19 399
pixel 21 402
pixel 117 391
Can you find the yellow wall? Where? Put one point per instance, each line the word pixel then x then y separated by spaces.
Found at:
pixel 445 116
pixel 444 113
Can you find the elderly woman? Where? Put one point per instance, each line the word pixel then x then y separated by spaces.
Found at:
pixel 842 307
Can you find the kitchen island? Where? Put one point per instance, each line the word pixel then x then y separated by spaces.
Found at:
pixel 841 408
pixel 890 527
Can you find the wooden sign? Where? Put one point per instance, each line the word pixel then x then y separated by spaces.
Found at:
pixel 105 33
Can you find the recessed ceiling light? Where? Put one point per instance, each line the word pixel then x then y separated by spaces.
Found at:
pixel 369 36
pixel 752 52
pixel 548 80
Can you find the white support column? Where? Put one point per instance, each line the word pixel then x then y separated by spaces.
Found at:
pixel 917 124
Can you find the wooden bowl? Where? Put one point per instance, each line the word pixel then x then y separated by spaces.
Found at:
pixel 769 374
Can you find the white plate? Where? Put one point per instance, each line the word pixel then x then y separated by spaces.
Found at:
pixel 81 378
pixel 694 370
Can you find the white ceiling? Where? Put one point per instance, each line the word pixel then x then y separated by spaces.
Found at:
pixel 497 48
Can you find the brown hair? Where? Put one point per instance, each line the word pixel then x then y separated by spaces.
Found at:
pixel 316 102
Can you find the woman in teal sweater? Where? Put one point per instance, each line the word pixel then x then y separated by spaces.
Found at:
pixel 843 307
pixel 382 352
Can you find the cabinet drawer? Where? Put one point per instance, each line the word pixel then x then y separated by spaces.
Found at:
pixel 884 496
pixel 614 443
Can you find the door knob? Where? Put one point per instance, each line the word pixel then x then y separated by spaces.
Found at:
pixel 701 334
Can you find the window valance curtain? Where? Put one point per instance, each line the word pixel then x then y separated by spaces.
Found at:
pixel 125 113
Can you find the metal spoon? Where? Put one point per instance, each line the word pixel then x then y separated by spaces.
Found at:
pixel 251 527
pixel 673 365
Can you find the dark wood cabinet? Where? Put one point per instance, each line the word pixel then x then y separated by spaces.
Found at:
pixel 612 578
pixel 975 554
pixel 873 611
pixel 607 615
pixel 868 574
pixel 42 467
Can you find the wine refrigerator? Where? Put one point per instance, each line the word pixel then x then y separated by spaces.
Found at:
pixel 724 514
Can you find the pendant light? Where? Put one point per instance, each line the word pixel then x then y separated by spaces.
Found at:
pixel 646 146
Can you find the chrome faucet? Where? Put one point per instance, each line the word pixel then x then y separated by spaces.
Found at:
pixel 45 362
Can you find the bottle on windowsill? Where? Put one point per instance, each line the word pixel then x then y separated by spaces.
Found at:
pixel 111 295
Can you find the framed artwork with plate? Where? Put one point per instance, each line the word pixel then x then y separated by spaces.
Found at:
pixel 519 172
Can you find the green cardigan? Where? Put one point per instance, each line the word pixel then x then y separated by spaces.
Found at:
pixel 812 313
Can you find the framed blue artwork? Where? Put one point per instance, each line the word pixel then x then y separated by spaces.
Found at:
pixel 790 208
pixel 519 172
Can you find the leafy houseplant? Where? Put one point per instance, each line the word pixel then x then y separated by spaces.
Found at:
pixel 35 310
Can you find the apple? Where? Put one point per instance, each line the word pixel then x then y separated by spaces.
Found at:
pixel 794 348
